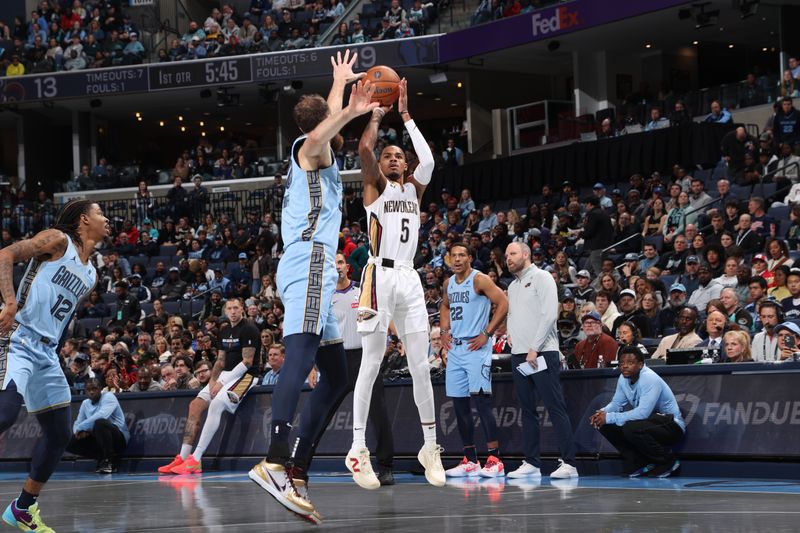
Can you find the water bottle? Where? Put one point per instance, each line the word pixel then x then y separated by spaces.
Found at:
pixel 600 362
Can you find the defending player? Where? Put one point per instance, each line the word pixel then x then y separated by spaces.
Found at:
pixel 232 376
pixel 466 329
pixel 306 282
pixel 58 276
pixel 391 288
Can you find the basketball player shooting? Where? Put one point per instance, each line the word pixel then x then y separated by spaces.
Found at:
pixel 391 288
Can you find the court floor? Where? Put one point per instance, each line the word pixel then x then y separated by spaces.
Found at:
pixel 230 502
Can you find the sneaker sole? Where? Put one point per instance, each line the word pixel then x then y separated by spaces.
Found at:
pixel 8 517
pixel 462 474
pixel 514 475
pixel 434 482
pixel 490 474
pixel 272 491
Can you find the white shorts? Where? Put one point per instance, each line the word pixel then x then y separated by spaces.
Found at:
pixel 233 390
pixel 391 294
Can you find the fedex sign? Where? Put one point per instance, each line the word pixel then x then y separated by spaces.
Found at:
pixel 562 19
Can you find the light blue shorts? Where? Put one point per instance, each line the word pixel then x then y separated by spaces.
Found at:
pixel 306 283
pixel 468 372
pixel 34 368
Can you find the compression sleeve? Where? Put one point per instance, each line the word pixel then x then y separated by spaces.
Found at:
pixel 424 170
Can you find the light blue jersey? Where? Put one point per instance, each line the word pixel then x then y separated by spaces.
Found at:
pixel 312 204
pixel 469 310
pixel 468 371
pixel 46 299
pixel 50 291
pixel 310 222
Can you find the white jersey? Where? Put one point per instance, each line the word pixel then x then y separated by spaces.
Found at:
pixel 345 307
pixel 393 222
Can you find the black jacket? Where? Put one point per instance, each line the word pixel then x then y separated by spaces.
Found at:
pixel 598 233
pixel 786 126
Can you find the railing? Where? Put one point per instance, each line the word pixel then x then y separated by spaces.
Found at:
pixel 716 200
pixel 235 204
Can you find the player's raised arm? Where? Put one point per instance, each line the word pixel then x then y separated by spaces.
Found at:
pixel 316 152
pixel 424 171
pixel 374 180
pixel 342 75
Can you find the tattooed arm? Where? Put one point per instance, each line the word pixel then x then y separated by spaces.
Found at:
pixel 44 246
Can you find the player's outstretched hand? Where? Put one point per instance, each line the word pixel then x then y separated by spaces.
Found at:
pixel 361 98
pixel 402 100
pixel 7 316
pixel 343 67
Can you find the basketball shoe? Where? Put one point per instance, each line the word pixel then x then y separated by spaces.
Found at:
pixel 564 471
pixel 167 469
pixel 189 466
pixel 300 480
pixel 524 470
pixel 25 519
pixel 465 468
pixel 430 457
pixel 493 468
pixel 274 479
pixel 359 464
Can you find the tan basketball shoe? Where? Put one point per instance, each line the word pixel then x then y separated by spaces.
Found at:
pixel 359 464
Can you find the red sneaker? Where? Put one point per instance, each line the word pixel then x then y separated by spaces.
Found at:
pixel 189 466
pixel 493 468
pixel 167 469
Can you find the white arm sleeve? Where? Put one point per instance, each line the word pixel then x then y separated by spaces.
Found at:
pixel 424 170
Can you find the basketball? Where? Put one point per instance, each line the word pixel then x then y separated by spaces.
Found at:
pixel 387 84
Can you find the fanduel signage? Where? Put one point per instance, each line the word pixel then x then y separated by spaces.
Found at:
pixel 561 18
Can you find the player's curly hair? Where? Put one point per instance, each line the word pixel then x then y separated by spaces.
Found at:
pixel 69 219
pixel 310 111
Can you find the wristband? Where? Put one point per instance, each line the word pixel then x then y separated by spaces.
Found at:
pixel 486 333
pixel 447 331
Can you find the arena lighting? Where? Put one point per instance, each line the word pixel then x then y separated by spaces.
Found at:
pixel 183 128
pixel 695 43
pixel 180 118
pixel 748 8
pixel 202 123
pixel 161 123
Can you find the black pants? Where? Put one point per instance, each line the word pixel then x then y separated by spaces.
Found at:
pixel 105 442
pixel 547 386
pixel 378 414
pixel 641 442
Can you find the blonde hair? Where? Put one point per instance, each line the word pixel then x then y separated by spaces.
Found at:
pixel 744 339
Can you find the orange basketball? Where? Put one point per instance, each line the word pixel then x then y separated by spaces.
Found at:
pixel 386 83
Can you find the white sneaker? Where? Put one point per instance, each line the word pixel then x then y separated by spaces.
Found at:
pixel 359 464
pixel 430 457
pixel 493 468
pixel 525 469
pixel 564 471
pixel 465 468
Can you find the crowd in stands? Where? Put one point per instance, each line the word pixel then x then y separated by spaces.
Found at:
pixel 287 25
pixel 711 268
pixel 71 35
pixel 489 10
pixel 76 34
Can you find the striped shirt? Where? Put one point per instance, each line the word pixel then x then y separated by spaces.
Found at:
pixel 345 308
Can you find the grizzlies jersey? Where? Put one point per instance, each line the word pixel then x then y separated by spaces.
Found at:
pixel 393 223
pixel 50 291
pixel 312 204
pixel 469 311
